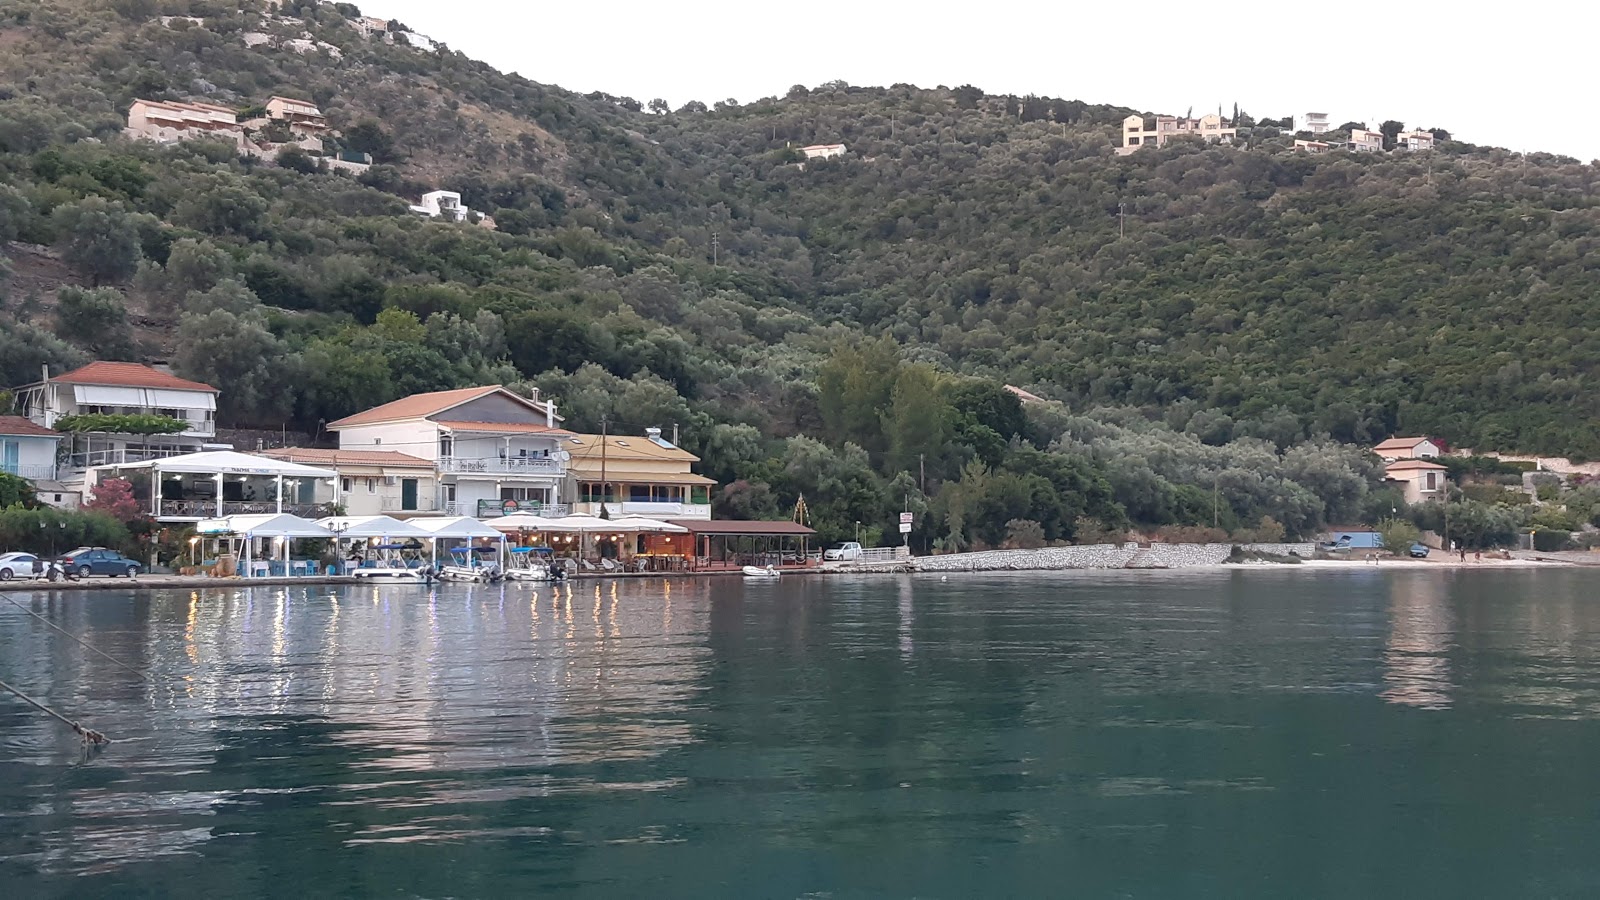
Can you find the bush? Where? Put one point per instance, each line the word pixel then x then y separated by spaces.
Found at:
pixel 1550 540
pixel 1024 534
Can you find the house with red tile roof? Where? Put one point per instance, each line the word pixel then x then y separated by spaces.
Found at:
pixel 1419 479
pixel 122 388
pixel 495 451
pixel 1408 448
pixel 370 482
pixel 27 449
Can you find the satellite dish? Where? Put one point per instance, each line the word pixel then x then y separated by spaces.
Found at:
pixel 563 455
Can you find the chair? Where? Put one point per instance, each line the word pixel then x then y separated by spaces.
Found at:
pixel 610 565
pixel 587 566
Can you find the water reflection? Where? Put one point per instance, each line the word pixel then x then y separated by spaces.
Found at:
pixel 1416 662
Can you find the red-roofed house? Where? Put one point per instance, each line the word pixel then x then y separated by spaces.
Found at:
pixel 1421 480
pixel 1408 448
pixel 123 388
pixel 495 452
pixel 370 482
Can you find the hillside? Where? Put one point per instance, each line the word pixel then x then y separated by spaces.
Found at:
pixel 682 267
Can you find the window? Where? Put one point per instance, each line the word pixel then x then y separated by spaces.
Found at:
pixel 347 485
pixel 1431 482
pixel 10 457
pixel 447 446
pixel 372 485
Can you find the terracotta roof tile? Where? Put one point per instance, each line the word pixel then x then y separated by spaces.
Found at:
pixel 127 374
pixel 624 446
pixel 312 456
pixel 1407 465
pixel 415 406
pixel 1400 443
pixel 517 427
pixel 19 426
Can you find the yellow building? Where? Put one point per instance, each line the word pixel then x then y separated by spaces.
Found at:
pixel 631 475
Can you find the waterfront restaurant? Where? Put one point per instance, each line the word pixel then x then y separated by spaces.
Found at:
pixel 731 544
pixel 218 483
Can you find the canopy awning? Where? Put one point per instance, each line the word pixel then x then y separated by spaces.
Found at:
pixel 269 525
pixel 372 527
pixel 228 462
pixel 152 398
pixel 584 524
pixel 643 523
pixel 455 527
pixel 744 528
pixel 520 522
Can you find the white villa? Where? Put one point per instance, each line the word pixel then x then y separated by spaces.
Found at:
pixel 823 151
pixel 1315 122
pixel 442 204
pixel 1416 139
pixel 370 482
pixel 1365 141
pixel 495 452
pixel 122 388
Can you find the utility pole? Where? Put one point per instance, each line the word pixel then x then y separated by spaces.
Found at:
pixel 605 422
pixel 716 243
pixel 1122 211
pixel 1214 480
pixel 1446 540
pixel 922 473
pixel 891 126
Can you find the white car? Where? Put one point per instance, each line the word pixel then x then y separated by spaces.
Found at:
pixel 845 552
pixel 16 565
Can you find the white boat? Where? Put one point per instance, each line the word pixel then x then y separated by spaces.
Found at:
pixel 523 564
pixel 760 572
pixel 391 573
pixel 460 573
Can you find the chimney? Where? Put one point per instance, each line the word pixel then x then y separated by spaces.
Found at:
pixel 550 413
pixel 674 434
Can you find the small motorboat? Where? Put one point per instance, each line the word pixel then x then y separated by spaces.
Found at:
pixel 524 565
pixel 760 572
pixel 390 566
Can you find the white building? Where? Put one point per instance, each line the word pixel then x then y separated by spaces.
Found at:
pixel 1137 132
pixel 370 482
pixel 442 205
pixel 1314 122
pixel 823 151
pixel 495 452
pixel 122 388
pixel 168 122
pixel 1407 448
pixel 27 449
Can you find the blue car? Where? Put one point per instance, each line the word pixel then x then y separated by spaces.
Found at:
pixel 86 561
pixel 1418 551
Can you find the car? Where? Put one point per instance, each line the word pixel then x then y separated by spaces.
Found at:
pixel 1418 551
pixel 849 550
pixel 86 561
pixel 16 565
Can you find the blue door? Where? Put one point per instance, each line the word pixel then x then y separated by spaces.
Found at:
pixel 10 456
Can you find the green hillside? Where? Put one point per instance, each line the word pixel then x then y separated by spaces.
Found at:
pixel 1209 319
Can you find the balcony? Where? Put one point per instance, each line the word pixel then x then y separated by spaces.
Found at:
pixel 32 473
pixel 510 465
pixel 92 458
pixel 489 509
pixel 397 504
pixel 650 510
pixel 207 509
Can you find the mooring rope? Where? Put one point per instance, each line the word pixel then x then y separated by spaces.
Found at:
pixel 89 735
pixel 85 644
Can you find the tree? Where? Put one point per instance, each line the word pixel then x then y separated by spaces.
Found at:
pixel 16 491
pixel 1024 534
pixel 98 238
pixel 114 497
pixel 196 265
pixel 240 357
pixel 14 210
pixel 659 107
pixel 1391 131
pixel 97 319
pixel 368 136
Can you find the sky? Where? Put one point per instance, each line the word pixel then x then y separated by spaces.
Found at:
pixel 1489 73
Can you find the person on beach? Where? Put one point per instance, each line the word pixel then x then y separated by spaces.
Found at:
pixel 1463 554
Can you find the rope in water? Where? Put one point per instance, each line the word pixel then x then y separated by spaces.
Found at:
pixel 85 644
pixel 89 735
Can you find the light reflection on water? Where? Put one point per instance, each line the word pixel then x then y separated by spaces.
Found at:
pixel 986 736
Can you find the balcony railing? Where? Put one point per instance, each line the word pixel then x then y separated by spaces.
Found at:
pixel 652 510
pixel 207 509
pixel 92 458
pixel 510 465
pixel 397 504
pixel 489 509
pixel 32 473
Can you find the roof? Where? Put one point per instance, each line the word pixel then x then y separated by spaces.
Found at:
pixel 625 447
pixel 416 406
pixel 127 374
pixel 227 462
pixel 19 426
pixel 317 456
pixel 264 525
pixel 740 527
pixel 1024 396
pixel 503 427
pixel 1401 443
pixel 619 475
pixel 1414 465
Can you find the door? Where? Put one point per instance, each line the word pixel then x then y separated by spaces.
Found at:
pixel 10 457
pixel 408 493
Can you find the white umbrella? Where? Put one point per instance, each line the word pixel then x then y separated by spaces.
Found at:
pixel 371 527
pixel 459 528
pixel 520 522
pixel 643 523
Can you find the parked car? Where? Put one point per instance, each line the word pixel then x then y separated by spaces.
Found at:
pixel 1418 551
pixel 845 552
pixel 87 561
pixel 16 565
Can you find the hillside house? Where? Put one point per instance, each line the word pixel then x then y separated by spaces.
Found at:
pixel 169 122
pixel 494 452
pixel 1364 141
pixel 27 449
pixel 823 151
pixel 442 205
pixel 1314 122
pixel 122 388
pixel 1408 448
pixel 1414 140
pixel 1138 132
pixel 1419 479
pixel 1306 146
pixel 369 482
pixel 299 115
pixel 630 475
pixel 370 26
pixel 1024 397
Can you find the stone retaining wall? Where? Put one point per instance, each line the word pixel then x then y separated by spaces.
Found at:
pixel 1099 556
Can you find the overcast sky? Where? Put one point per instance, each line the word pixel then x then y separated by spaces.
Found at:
pixel 1487 72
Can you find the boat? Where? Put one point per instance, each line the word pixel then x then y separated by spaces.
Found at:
pixel 462 569
pixel 760 572
pixel 526 564
pixel 391 567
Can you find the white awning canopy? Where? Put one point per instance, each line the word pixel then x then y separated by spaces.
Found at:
pixel 645 524
pixel 279 525
pixel 151 398
pixel 372 527
pixel 228 462
pixel 520 522
pixel 455 527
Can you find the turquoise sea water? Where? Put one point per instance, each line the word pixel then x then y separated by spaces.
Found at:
pixel 1282 733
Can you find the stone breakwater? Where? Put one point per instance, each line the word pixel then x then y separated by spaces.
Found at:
pixel 1100 556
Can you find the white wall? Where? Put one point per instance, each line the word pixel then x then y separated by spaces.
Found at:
pixel 419 439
